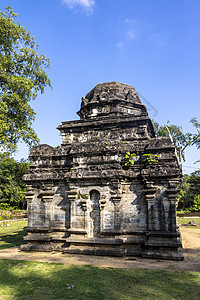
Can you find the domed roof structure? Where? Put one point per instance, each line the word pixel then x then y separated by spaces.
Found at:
pixel 111 98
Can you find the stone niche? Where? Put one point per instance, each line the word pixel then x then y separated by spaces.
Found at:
pixel 104 191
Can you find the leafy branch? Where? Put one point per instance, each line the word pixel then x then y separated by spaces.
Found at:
pixel 128 159
pixel 151 158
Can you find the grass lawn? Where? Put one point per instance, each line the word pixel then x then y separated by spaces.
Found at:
pixel 35 280
pixel 13 235
pixel 45 281
pixel 12 214
pixel 183 220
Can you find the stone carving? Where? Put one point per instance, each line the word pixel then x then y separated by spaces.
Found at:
pixel 83 198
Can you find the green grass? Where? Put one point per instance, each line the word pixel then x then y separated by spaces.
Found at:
pixel 186 220
pixel 8 214
pixel 13 235
pixel 34 280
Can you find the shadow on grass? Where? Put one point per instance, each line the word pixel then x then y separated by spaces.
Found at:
pixel 12 240
pixel 33 280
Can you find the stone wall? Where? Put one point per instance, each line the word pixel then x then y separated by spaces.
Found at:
pixel 83 197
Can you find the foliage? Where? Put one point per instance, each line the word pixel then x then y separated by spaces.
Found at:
pixel 194 181
pixel 196 204
pixel 191 188
pixel 151 158
pixel 125 142
pixel 196 137
pixel 12 187
pixel 21 78
pixel 128 159
pixel 83 196
pixel 181 140
pixel 4 206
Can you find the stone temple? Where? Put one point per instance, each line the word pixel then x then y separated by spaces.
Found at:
pixel 110 188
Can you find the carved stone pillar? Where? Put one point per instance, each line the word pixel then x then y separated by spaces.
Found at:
pixel 153 216
pixel 84 208
pixel 116 198
pixel 172 194
pixel 47 197
pixel 72 197
pixel 29 199
pixel 102 203
pixel 117 217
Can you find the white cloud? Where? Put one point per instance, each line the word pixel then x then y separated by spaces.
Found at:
pixel 131 34
pixel 129 21
pixel 83 3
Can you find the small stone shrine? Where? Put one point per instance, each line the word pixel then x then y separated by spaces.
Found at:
pixel 110 188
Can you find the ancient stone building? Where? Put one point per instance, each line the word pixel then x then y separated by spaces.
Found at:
pixel 110 188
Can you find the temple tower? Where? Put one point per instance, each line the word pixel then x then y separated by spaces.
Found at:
pixel 111 188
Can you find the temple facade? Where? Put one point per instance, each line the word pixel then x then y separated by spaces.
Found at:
pixel 110 188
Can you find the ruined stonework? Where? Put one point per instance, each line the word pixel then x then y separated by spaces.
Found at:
pixel 100 192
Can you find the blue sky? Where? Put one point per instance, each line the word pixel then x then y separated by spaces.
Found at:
pixel 152 45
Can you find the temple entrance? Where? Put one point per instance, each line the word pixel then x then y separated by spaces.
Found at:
pixel 95 213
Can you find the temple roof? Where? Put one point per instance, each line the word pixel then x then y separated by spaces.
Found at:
pixel 108 90
pixel 111 98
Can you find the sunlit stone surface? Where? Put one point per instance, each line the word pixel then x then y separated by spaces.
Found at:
pixel 86 197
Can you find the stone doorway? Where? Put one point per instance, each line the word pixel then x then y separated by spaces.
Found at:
pixel 95 213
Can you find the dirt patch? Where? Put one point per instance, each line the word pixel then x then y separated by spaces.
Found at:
pixel 191 242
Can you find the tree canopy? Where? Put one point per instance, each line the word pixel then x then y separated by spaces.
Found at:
pixel 181 140
pixel 22 76
pixel 196 137
pixel 189 196
pixel 12 187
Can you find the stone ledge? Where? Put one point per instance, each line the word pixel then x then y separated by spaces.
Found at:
pixel 123 232
pixel 163 233
pixel 94 241
pixel 45 229
pixel 37 247
pixel 100 252
pixel 178 256
pixel 76 230
pixel 44 238
pixel 168 244
pixel 134 241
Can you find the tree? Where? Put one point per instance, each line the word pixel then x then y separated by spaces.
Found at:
pixel 181 140
pixel 196 204
pixel 22 76
pixel 189 195
pixel 196 137
pixel 12 187
pixel 185 197
pixel 194 181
